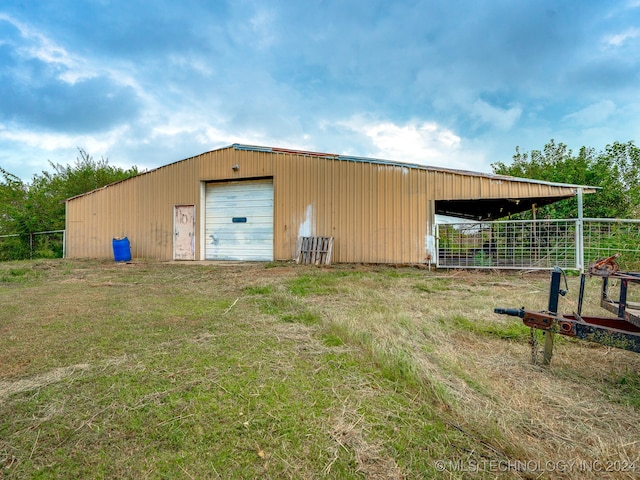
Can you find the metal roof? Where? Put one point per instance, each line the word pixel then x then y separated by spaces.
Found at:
pixel 376 161
pixel 395 163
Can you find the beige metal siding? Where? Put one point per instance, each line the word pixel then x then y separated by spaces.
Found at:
pixel 140 208
pixel 457 186
pixel 377 213
pixel 218 165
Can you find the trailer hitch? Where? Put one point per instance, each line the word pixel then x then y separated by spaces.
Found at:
pixel 512 312
pixel 622 331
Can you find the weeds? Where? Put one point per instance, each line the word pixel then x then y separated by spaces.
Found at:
pixel 258 290
pixel 513 330
pixel 280 371
pixel 17 275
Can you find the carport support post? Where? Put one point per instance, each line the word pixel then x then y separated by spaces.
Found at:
pixel 554 294
pixel 580 234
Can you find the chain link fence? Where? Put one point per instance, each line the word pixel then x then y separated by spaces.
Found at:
pixel 18 246
pixel 537 244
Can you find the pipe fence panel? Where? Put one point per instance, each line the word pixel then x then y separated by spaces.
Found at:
pixel 508 244
pixel 537 244
pixel 605 237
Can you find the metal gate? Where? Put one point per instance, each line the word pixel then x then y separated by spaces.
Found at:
pixel 537 244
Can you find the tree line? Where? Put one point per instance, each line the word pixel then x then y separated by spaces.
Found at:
pixel 616 170
pixel 39 205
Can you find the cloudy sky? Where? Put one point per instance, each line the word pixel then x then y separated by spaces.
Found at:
pixel 438 82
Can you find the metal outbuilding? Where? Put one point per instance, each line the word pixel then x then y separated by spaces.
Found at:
pixel 253 203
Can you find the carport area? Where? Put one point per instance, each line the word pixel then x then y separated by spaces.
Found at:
pixel 480 235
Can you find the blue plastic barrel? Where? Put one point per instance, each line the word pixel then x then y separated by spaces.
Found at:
pixel 121 249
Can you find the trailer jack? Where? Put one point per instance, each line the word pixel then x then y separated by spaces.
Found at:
pixel 621 331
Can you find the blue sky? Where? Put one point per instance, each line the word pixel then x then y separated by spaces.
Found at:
pixel 447 83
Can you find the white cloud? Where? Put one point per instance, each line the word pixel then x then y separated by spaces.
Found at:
pixel 425 143
pixel 72 68
pixel 497 117
pixel 30 151
pixel 51 142
pixel 592 114
pixel 198 129
pixel 38 46
pixel 617 40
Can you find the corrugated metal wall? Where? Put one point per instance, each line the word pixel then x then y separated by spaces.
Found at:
pixel 140 208
pixel 377 213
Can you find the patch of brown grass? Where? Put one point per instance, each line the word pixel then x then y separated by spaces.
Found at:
pixel 348 432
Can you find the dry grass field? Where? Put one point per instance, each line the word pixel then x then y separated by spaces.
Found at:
pixel 167 370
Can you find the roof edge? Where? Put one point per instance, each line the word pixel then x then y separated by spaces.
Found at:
pixel 395 163
pixel 351 158
pixel 145 172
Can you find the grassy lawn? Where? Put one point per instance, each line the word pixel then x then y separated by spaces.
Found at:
pixel 152 370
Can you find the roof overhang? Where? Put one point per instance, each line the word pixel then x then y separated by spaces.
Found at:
pixel 495 208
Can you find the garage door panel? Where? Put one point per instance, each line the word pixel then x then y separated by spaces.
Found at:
pixel 239 221
pixel 229 240
pixel 239 238
pixel 240 203
pixel 251 216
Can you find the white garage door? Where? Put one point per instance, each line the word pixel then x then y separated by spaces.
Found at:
pixel 239 221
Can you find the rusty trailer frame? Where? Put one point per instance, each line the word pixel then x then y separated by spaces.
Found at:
pixel 621 331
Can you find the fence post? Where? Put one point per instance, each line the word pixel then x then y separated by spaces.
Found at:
pixel 580 234
pixel 31 246
pixel 436 234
